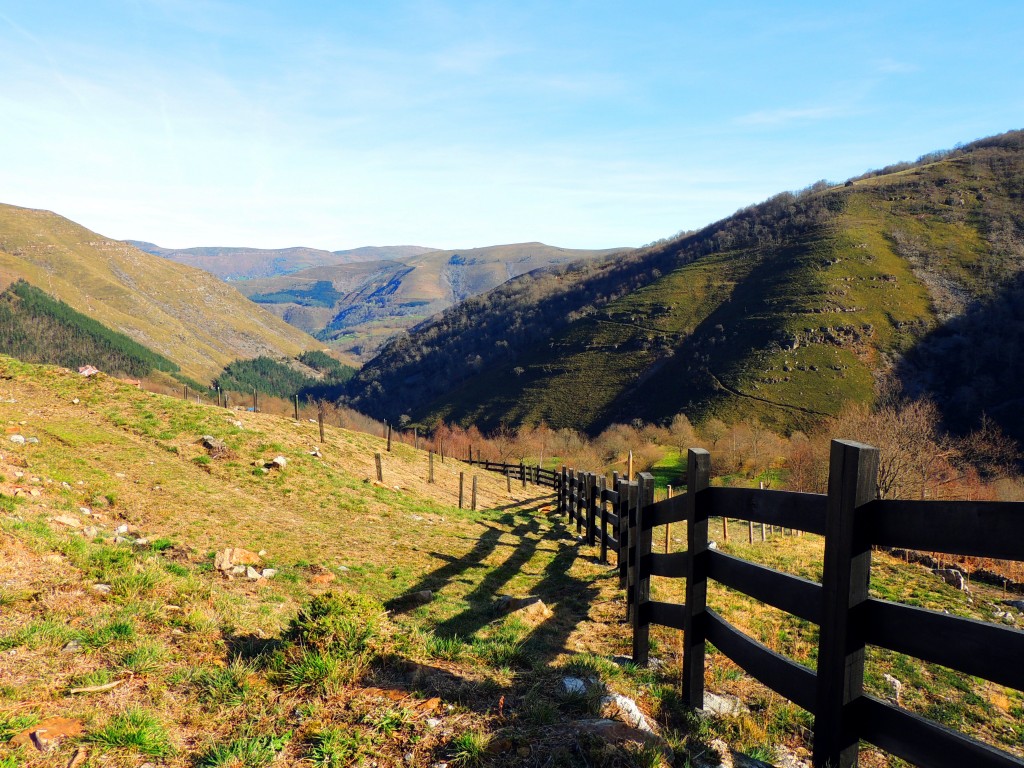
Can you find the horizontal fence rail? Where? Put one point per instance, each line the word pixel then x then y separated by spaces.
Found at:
pixel 622 516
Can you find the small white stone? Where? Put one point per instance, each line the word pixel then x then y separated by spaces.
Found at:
pixel 102 588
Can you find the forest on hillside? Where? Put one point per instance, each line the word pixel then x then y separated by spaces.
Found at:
pixel 39 329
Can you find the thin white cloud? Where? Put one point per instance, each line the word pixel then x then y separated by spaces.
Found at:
pixel 895 67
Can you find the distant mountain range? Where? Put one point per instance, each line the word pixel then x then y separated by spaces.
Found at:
pixel 357 306
pixel 247 263
pixel 782 312
pixel 184 314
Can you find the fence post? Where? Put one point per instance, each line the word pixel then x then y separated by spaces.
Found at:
pixel 462 485
pixel 633 495
pixel 380 470
pixel 184 393
pixel 601 485
pixel 852 482
pixel 473 497
pixel 591 509
pixel 698 477
pixel 642 585
pixel 430 465
pixel 389 438
pixel 320 422
pixel 581 501
pixel 508 481
pixel 296 407
pixel 522 473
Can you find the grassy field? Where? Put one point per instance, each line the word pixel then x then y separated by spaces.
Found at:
pixel 327 663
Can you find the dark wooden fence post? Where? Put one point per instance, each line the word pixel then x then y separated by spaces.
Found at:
pixel 320 422
pixel 184 393
pixel 698 477
pixel 852 482
pixel 473 497
pixel 601 485
pixel 462 485
pixel 632 496
pixel 522 472
pixel 255 400
pixel 591 509
pixel 508 481
pixel 570 495
pixel 430 466
pixel 642 585
pixel 296 407
pixel 389 438
pixel 380 469
pixel 581 502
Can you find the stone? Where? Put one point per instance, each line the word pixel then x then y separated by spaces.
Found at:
pixel 895 685
pixel 615 732
pixel 615 706
pixel 322 578
pixel 232 556
pixel 238 570
pixel 278 462
pixel 252 574
pixel 32 440
pixel 70 522
pixel 574 686
pixel 269 573
pixel 103 589
pixel 45 735
pixel 141 542
pixel 433 722
pixel 72 647
pixel 951 576
pixel 723 705
pixel 212 444
pixel 18 439
pixel 531 610
pixel 121 540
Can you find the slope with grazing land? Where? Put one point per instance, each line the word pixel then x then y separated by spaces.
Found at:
pixel 357 307
pixel 123 614
pixel 782 312
pixel 249 263
pixel 182 313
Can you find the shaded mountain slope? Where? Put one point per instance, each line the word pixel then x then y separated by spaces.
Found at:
pixel 182 313
pixel 781 312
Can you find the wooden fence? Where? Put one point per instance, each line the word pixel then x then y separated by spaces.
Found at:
pixel 852 520
pixel 524 473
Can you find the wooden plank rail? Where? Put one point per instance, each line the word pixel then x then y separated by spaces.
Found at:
pixel 852 522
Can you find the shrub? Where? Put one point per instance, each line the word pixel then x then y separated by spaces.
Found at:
pixel 341 624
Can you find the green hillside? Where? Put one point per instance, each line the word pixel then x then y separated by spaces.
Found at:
pixel 182 313
pixel 782 312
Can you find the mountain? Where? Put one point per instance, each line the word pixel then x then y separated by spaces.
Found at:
pixel 356 307
pixel 781 312
pixel 185 314
pixel 247 263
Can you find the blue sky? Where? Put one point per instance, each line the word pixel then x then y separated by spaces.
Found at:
pixel 449 124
